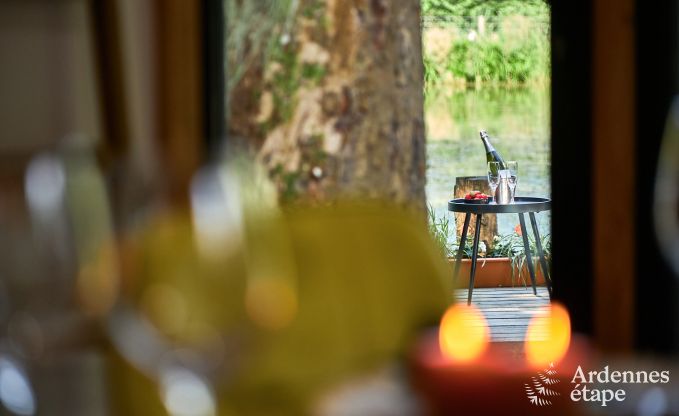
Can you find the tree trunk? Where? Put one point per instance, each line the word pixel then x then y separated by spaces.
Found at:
pixel 464 185
pixel 341 103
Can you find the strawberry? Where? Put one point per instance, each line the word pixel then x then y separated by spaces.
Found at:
pixel 468 196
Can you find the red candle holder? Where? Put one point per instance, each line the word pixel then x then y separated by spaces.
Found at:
pixel 499 381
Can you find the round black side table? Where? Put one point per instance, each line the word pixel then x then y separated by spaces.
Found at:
pixel 521 205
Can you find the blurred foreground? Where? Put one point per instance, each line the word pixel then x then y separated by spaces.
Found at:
pixel 230 307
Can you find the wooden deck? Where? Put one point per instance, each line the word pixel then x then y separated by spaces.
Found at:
pixel 507 310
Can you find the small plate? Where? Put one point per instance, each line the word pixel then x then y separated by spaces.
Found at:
pixel 476 201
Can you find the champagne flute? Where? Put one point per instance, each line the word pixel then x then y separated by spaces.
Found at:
pixel 513 168
pixel 493 178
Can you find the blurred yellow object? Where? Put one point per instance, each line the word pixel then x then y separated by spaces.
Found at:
pixel 271 302
pixel 464 333
pixel 355 284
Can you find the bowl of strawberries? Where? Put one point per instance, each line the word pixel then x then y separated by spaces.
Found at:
pixel 476 197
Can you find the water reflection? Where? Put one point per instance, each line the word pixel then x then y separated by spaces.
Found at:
pixel 518 121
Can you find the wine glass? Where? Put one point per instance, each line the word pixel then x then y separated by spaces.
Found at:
pixel 493 177
pixel 513 168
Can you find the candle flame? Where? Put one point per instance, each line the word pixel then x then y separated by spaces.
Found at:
pixel 548 336
pixel 464 333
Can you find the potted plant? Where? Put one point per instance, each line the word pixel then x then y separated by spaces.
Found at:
pixel 503 265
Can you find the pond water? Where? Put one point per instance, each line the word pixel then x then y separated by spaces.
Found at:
pixel 517 121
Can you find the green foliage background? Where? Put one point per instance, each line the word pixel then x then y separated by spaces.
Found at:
pixel 513 49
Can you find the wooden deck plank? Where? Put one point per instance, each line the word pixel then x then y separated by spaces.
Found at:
pixel 495 290
pixel 507 296
pixel 499 291
pixel 504 295
pixel 508 311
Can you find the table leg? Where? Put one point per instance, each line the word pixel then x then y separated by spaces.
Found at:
pixel 526 248
pixel 460 249
pixel 475 253
pixel 541 255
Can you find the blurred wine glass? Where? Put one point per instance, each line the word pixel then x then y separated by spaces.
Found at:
pixel 513 178
pixel 58 276
pixel 493 178
pixel 666 199
pixel 211 281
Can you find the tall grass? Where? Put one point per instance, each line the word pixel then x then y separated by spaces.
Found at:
pixel 440 230
pixel 493 42
pixel 463 11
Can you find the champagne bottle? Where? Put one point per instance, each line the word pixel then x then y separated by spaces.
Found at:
pixel 491 154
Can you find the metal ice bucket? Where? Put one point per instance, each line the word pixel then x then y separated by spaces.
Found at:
pixel 502 193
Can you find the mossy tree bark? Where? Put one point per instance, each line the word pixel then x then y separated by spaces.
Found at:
pixel 340 104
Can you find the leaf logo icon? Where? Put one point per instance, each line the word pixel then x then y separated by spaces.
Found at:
pixel 539 389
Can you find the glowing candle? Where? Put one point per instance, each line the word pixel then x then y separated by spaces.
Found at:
pixel 464 334
pixel 548 337
pixel 459 371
